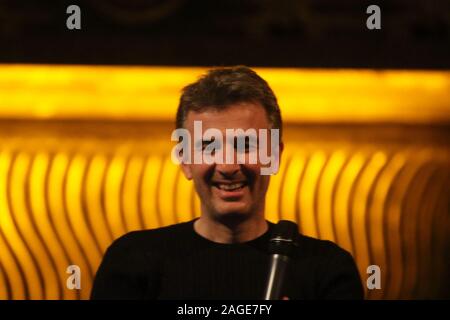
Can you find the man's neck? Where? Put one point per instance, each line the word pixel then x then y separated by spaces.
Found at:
pixel 220 232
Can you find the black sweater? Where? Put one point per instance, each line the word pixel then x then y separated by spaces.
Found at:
pixel 175 262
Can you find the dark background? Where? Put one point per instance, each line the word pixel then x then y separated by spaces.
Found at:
pixel 284 33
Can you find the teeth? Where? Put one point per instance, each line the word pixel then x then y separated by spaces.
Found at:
pixel 231 186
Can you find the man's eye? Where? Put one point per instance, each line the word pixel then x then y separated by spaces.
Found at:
pixel 248 145
pixel 206 143
pixel 200 145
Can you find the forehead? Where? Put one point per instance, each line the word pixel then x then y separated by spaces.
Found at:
pixel 242 115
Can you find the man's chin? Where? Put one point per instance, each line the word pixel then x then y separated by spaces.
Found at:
pixel 231 217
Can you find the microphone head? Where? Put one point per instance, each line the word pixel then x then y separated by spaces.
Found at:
pixel 284 238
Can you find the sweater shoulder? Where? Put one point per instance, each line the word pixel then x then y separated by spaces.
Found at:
pixel 335 268
pixel 153 238
pixel 321 248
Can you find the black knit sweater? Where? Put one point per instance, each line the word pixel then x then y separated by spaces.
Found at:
pixel 175 262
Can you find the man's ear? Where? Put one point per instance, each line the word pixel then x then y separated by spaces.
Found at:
pixel 186 168
pixel 280 153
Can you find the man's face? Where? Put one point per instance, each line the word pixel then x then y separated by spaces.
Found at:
pixel 233 190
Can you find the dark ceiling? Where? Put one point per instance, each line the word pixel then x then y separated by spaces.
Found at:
pixel 282 33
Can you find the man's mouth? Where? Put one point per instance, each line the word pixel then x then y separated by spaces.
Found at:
pixel 230 186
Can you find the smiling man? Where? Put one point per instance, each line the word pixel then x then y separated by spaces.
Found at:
pixel 224 254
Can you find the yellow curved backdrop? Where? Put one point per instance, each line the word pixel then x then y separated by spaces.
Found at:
pixel 372 177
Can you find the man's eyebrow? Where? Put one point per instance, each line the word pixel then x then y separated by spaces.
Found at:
pixel 202 142
pixel 205 140
pixel 247 137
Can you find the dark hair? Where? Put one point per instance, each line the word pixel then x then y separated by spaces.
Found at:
pixel 222 87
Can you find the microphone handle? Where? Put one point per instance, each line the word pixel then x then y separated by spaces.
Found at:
pixel 275 282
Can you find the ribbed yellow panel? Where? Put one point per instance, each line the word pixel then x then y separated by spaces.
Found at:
pixel 326 192
pixel 95 209
pixel 69 187
pixel 151 215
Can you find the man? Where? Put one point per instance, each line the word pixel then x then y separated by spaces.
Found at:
pixel 224 253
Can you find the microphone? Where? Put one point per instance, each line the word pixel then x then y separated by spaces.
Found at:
pixel 283 241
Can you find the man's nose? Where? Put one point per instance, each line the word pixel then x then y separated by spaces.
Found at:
pixel 228 171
